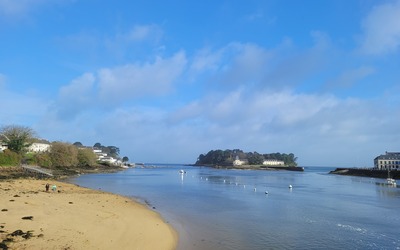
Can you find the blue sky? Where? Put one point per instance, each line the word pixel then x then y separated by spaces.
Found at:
pixel 168 80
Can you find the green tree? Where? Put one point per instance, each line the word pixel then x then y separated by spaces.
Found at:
pixel 255 158
pixel 86 157
pixel 78 144
pixel 125 159
pixel 17 138
pixel 43 159
pixel 63 155
pixel 113 151
pixel 216 157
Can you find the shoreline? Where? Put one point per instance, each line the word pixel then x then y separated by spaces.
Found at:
pixel 365 172
pixel 251 167
pixel 74 217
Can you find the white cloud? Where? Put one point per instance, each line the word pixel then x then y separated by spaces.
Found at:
pixel 319 129
pixel 246 64
pixel 382 29
pixel 20 108
pixel 11 7
pixel 143 35
pixel 138 80
pixel 206 60
pixel 22 8
pixel 75 97
pixel 109 87
pixel 351 77
pixel 233 65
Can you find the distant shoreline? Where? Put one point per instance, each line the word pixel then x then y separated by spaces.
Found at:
pixel 250 167
pixel 364 172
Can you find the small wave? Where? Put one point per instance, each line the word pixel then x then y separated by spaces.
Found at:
pixel 351 228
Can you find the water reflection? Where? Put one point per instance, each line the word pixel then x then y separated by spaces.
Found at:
pixel 383 189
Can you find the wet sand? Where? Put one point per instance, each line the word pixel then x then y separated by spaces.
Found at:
pixel 73 217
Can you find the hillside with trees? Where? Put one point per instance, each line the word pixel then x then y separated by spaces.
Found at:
pixel 16 140
pixel 227 157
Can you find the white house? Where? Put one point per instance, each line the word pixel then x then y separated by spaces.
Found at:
pixel 103 157
pixel 238 162
pixel 99 153
pixel 39 147
pixel 273 162
pixel 3 146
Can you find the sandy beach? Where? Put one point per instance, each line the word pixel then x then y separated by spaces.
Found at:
pixel 73 217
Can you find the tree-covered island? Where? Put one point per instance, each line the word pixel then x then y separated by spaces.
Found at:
pixel 236 158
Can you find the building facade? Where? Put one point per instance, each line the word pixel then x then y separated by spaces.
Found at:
pixel 388 161
pixel 3 146
pixel 39 147
pixel 273 162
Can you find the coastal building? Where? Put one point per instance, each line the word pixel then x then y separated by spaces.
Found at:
pixel 35 147
pixel 100 154
pixel 273 162
pixel 388 161
pixel 3 146
pixel 238 162
pixel 104 157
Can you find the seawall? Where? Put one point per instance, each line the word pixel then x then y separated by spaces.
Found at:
pixel 366 172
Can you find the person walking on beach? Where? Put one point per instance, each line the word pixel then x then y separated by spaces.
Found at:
pixel 47 187
pixel 54 187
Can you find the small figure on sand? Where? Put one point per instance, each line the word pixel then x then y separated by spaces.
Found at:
pixel 54 188
pixel 47 187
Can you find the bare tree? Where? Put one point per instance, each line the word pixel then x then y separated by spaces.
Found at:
pixel 17 138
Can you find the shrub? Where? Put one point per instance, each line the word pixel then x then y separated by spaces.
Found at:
pixel 9 158
pixel 86 157
pixel 43 160
pixel 63 155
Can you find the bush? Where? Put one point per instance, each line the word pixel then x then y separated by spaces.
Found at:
pixel 43 160
pixel 29 159
pixel 86 158
pixel 63 155
pixel 9 158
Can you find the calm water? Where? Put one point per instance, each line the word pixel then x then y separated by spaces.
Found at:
pixel 228 209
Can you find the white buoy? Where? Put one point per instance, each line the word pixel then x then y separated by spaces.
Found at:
pixel 290 186
pixel 255 189
pixel 266 192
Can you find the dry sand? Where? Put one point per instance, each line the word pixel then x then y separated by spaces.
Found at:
pixel 77 218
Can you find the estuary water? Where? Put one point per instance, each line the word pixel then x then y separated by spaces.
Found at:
pixel 230 209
